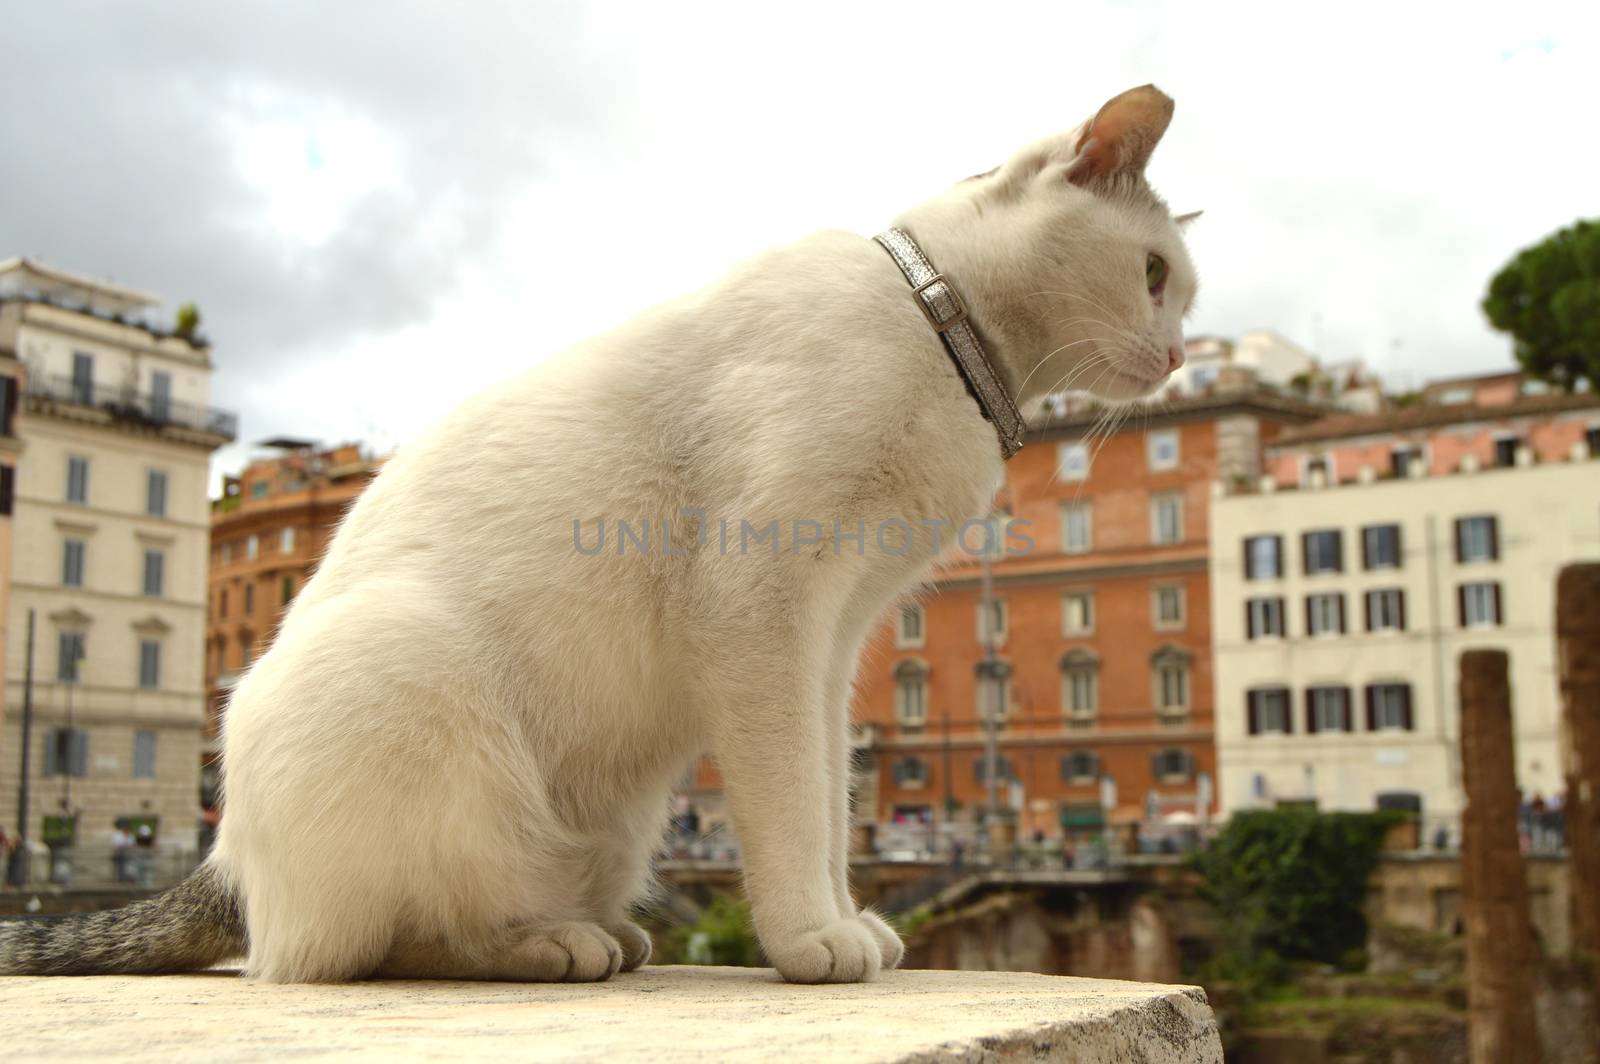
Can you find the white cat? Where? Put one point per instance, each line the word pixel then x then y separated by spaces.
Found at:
pixel 455 759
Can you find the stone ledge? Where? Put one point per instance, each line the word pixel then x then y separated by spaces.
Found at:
pixel 660 1013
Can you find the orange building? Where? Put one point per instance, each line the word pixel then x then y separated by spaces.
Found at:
pixel 1102 630
pixel 268 532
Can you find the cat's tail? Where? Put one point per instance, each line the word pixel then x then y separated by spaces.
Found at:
pixel 194 925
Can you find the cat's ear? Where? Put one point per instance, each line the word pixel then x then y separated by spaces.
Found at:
pixel 1183 220
pixel 1118 140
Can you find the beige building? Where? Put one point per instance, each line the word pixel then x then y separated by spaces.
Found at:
pixel 1341 603
pixel 110 543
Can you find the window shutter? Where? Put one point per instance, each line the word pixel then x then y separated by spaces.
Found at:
pixel 1311 711
pixel 1249 620
pixel 1248 575
pixel 1372 708
pixel 1310 628
pixel 52 753
pixel 1338 551
pixel 1400 609
pixel 1494 538
pixel 1277 557
pixel 1399 551
pixel 1405 706
pixel 1283 619
pixel 1461 605
pixel 1460 553
pixel 1340 602
pixel 1366 606
pixel 8 488
pixel 1252 716
pixel 1288 710
pixel 1305 552
pixel 1366 547
pixel 79 752
pixel 1346 718
pixel 1495 589
pixel 1156 766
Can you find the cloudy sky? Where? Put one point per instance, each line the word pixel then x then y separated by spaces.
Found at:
pixel 381 207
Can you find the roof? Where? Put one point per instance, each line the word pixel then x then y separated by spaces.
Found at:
pixel 1412 418
pixel 62 284
pixel 1181 408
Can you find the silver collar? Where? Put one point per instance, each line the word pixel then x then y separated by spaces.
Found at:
pixel 948 315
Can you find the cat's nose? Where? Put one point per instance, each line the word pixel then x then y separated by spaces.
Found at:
pixel 1174 357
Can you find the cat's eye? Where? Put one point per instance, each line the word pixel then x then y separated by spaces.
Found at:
pixel 1155 272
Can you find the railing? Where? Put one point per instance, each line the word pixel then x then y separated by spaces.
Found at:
pixel 126 404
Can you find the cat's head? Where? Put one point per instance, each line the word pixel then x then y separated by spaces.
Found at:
pixel 1077 271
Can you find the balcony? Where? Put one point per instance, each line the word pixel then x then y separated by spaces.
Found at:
pixel 127 405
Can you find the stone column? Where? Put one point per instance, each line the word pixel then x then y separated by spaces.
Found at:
pixel 1501 975
pixel 1578 651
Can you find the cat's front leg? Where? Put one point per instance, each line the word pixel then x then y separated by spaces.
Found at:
pixel 773 747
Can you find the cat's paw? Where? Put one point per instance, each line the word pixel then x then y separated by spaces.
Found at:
pixel 890 948
pixel 568 953
pixel 842 952
pixel 635 942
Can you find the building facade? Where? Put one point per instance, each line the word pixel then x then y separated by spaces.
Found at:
pixel 269 530
pixel 1347 582
pixel 1100 625
pixel 109 549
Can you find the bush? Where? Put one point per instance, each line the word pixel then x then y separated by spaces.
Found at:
pixel 1290 885
pixel 721 935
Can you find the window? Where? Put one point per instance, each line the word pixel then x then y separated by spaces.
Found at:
pixel 1172 765
pixel 72 563
pixel 1324 552
pixel 1477 539
pixel 227 553
pixel 1505 450
pixel 1162 449
pixel 994 690
pixel 161 395
pixel 1263 618
pixel 78 479
pixel 1263 557
pixel 149 664
pixel 66 752
pixel 249 599
pixel 1077 527
pixel 286 541
pixel 8 483
pixel 1389 707
pixel 222 605
pixel 1169 607
pixel 992 622
pixel 155 494
pixel 911 693
pixel 1005 772
pixel 259 489
pixel 1080 684
pixel 1267 711
pixel 288 589
pixel 911 772
pixel 144 755
pixel 83 378
pixel 1166 518
pixel 1380 547
pixel 1325 614
pixel 1080 767
pixel 69 656
pixel 155 564
pixel 1386 610
pixel 1478 605
pixel 247 650
pixel 252 547
pixel 1316 471
pixel 1072 461
pixel 1405 461
pixel 1592 438
pixel 1328 709
pixel 1170 667
pixel 1077 612
pixel 907 632
pixel 8 406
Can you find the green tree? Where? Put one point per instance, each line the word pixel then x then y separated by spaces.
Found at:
pixel 1289 885
pixel 1548 298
